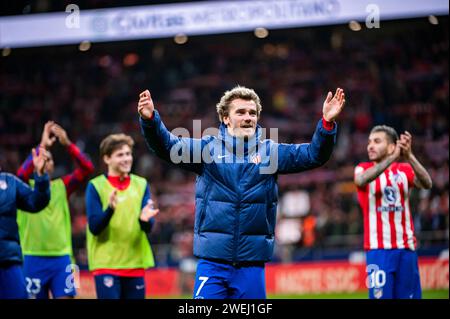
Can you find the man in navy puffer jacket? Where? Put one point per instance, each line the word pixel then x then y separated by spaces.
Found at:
pixel 236 187
pixel 15 194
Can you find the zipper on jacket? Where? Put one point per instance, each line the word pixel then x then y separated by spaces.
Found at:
pixel 268 207
pixel 203 211
pixel 236 224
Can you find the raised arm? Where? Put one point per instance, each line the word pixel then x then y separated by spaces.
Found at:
pixel 364 178
pixel 26 170
pixel 84 166
pixel 182 151
pixel 294 158
pixel 36 199
pixel 421 179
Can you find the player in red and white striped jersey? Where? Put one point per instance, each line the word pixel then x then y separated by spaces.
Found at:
pixel 383 193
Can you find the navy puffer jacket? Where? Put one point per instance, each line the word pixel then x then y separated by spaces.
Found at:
pixel 236 188
pixel 15 194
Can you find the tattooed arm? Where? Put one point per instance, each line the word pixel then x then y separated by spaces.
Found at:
pixel 372 173
pixel 421 179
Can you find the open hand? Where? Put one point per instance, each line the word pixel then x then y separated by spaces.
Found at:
pixel 61 134
pixel 40 158
pixel 148 211
pixel 47 138
pixel 405 144
pixel 112 203
pixel 397 151
pixel 333 105
pixel 145 105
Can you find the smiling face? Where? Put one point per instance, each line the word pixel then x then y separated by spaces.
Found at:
pixel 120 161
pixel 242 118
pixel 379 146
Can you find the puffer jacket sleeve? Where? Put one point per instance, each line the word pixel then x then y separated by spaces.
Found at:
pixel 33 200
pixel 183 151
pixel 294 158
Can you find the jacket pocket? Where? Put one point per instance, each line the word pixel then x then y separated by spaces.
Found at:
pixel 201 216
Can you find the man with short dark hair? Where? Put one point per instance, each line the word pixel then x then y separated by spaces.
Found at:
pixel 46 238
pixel 384 186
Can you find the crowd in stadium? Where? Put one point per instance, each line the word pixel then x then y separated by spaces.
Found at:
pixel 394 80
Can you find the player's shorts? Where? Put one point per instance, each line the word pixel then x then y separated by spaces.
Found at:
pixel 49 274
pixel 217 280
pixel 119 287
pixel 12 282
pixel 393 274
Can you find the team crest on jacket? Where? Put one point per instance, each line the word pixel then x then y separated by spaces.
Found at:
pixel 108 281
pixel 3 185
pixel 255 158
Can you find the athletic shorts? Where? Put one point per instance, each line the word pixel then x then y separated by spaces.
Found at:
pixel 44 275
pixel 217 280
pixel 12 282
pixel 119 287
pixel 393 274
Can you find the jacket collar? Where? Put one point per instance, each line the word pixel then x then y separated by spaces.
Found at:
pixel 240 146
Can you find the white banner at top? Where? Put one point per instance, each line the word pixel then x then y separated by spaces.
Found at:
pixel 195 18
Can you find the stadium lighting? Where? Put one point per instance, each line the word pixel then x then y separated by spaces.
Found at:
pixel 130 59
pixel 433 20
pixel 336 40
pixel 158 52
pixel 6 51
pixel 180 38
pixel 147 21
pixel 105 61
pixel 269 49
pixel 84 46
pixel 282 51
pixel 354 25
pixel 261 33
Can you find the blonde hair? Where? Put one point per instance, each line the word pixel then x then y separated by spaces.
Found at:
pixel 113 142
pixel 238 92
